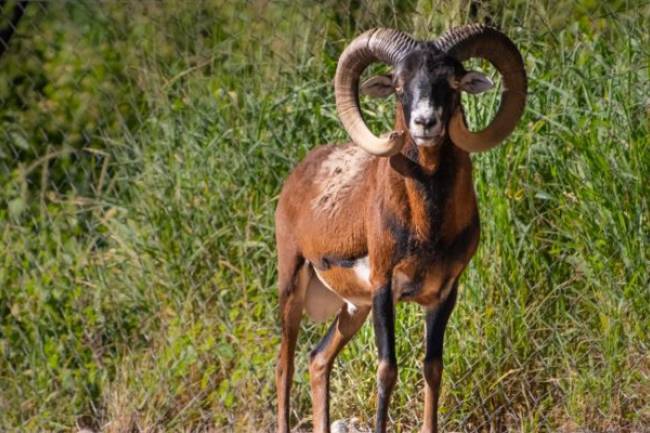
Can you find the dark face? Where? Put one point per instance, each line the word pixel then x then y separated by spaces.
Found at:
pixel 428 84
pixel 423 81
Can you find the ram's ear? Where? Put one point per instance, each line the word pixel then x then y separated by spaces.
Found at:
pixel 474 82
pixel 379 86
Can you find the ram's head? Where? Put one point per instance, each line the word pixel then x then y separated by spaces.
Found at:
pixel 427 77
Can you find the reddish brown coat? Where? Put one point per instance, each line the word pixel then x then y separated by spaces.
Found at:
pixel 380 209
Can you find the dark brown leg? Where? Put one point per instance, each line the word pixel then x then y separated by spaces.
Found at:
pixel 345 325
pixel 436 322
pixel 383 317
pixel 292 279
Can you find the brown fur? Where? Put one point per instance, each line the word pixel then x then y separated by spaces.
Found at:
pixel 344 204
pixel 342 216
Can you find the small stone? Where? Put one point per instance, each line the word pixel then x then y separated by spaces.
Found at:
pixel 339 426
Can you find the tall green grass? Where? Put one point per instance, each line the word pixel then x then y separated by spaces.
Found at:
pixel 140 295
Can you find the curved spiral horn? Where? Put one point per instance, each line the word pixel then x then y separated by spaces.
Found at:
pixel 384 45
pixel 476 40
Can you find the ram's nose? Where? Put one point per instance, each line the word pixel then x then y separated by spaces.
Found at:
pixel 425 122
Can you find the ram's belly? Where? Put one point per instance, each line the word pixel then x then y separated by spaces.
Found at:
pixel 352 284
pixel 329 289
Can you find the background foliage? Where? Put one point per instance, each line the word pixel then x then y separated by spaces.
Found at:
pixel 142 149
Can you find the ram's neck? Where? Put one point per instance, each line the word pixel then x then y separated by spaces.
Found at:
pixel 419 178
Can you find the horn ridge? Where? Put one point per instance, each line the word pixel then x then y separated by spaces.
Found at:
pixel 477 40
pixel 379 44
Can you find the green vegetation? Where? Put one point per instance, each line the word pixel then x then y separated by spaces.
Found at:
pixel 142 149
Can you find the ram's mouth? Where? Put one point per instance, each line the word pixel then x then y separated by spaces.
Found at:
pixel 428 140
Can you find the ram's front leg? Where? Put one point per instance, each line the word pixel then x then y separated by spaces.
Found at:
pixel 383 317
pixel 436 322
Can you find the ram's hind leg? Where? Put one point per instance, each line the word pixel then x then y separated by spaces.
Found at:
pixel 346 324
pixel 293 279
